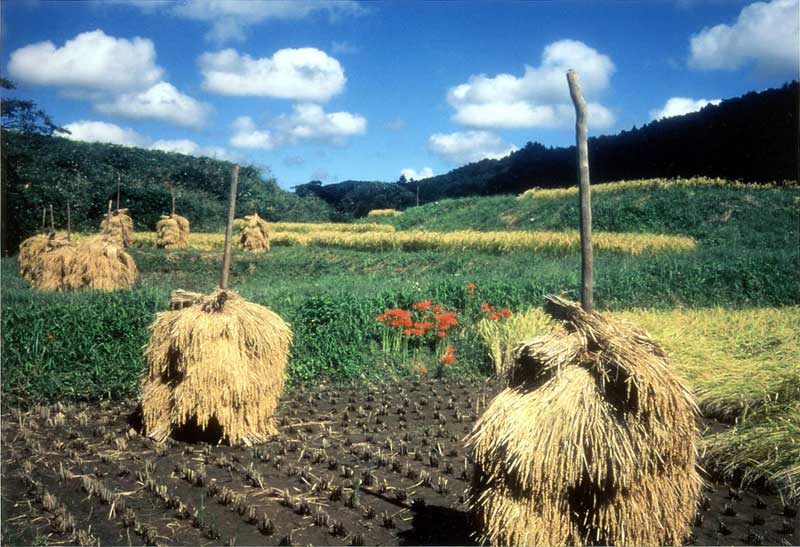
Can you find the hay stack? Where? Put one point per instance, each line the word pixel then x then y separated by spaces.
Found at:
pixel 592 442
pixel 50 267
pixel 29 250
pixel 215 362
pixel 254 234
pixel 173 232
pixel 100 264
pixel 117 226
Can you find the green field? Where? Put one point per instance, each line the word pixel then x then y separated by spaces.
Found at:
pixel 743 267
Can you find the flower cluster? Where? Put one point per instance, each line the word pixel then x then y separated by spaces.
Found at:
pixel 426 324
pixel 494 315
pixel 471 287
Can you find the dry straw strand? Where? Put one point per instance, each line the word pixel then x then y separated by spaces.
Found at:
pixel 215 361
pixel 117 226
pixel 592 442
pixel 254 234
pixel 172 232
pixel 100 264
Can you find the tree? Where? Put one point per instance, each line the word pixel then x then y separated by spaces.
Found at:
pixel 25 116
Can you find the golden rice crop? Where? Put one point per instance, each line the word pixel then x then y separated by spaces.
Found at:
pixel 50 267
pixel 173 232
pixel 100 264
pixel 553 243
pixel 117 226
pixel 384 213
pixel 254 234
pixel 592 442
pixel 214 362
pixel 644 184
pixel 305 227
pixel 28 251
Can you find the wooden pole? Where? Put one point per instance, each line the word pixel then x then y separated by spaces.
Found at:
pixel 44 216
pixel 109 208
pixel 69 224
pixel 52 221
pixel 118 179
pixel 226 257
pixel 581 131
pixel 172 191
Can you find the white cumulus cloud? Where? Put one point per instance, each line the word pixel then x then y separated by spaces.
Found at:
pixel 765 33
pixel 306 122
pixel 91 61
pixel 104 132
pixel 190 148
pixel 413 174
pixel 161 102
pixel 310 122
pixel 96 131
pixel 540 97
pixel 230 19
pixel 468 146
pixel 303 74
pixel 246 135
pixel 678 106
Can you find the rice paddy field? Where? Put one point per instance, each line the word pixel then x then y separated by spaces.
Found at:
pixel 370 446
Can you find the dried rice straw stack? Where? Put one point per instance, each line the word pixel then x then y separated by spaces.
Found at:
pixel 173 232
pixel 100 264
pixel 592 442
pixel 215 364
pixel 117 226
pixel 218 362
pixel 50 267
pixel 254 234
pixel 29 250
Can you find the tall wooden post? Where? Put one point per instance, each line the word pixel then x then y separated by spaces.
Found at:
pixel 44 216
pixel 581 132
pixel 118 183
pixel 52 221
pixel 226 257
pixel 172 191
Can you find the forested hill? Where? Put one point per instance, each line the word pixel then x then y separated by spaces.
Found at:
pixel 753 138
pixel 40 170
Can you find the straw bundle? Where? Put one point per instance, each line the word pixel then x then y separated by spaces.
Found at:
pixel 214 362
pixel 50 267
pixel 254 234
pixel 117 226
pixel 102 265
pixel 173 232
pixel 592 442
pixel 28 251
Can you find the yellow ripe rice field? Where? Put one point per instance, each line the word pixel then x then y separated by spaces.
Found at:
pixel 553 243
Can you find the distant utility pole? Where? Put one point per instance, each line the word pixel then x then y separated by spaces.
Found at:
pixel 585 194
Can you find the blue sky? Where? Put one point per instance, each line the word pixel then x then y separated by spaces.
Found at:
pixel 349 90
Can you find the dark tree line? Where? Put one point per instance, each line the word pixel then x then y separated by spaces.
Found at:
pixel 753 138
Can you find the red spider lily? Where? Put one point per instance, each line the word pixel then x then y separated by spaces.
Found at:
pixel 485 307
pixel 471 289
pixel 449 356
pixel 422 369
pixel 50 337
pixel 441 334
pixel 424 305
pixel 438 309
pixel 406 331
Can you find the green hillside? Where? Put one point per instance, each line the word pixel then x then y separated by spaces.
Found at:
pixel 712 211
pixel 40 170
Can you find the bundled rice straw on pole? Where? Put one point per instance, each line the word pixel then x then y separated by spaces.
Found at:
pixel 49 266
pixel 30 248
pixel 215 364
pixel 101 264
pixel 118 225
pixel 254 234
pixel 594 439
pixel 173 230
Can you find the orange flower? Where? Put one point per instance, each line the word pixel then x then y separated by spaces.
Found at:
pixel 485 307
pixel 441 334
pixel 437 309
pixel 50 337
pixel 471 286
pixel 449 356
pixel 424 305
pixel 422 369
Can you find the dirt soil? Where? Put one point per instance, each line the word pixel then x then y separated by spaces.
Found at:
pixel 353 465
